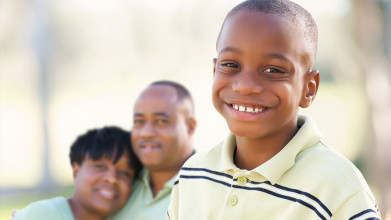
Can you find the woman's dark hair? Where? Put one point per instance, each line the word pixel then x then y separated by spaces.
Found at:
pixel 108 142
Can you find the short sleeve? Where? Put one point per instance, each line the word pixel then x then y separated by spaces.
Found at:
pixel 41 210
pixel 360 206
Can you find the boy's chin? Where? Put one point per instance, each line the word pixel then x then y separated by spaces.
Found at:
pixel 245 131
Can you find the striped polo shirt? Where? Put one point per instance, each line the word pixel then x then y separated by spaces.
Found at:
pixel 305 180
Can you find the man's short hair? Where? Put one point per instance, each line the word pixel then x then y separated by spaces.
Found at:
pixel 182 92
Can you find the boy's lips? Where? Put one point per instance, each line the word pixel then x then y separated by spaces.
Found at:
pixel 249 108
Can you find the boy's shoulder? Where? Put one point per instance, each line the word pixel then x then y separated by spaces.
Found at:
pixel 323 160
pixel 323 168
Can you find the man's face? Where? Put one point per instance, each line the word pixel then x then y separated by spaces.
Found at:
pixel 101 187
pixel 260 75
pixel 160 134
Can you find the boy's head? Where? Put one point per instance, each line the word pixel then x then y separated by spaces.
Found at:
pixel 298 17
pixel 263 72
pixel 104 167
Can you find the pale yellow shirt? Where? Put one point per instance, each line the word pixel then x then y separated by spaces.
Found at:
pixel 142 205
pixel 305 180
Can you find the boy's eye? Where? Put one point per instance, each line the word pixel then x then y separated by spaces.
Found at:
pixel 230 65
pixel 273 70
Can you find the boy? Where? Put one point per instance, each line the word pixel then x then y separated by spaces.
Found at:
pixel 274 164
pixel 104 166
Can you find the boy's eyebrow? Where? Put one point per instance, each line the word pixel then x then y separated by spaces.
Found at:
pixel 278 56
pixel 155 114
pixel 230 49
pixel 270 55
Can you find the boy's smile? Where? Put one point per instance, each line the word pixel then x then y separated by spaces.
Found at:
pixel 260 75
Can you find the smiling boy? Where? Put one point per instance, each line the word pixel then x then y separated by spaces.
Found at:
pixel 274 165
pixel 104 166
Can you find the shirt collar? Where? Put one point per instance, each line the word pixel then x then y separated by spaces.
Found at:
pixel 274 168
pixel 146 179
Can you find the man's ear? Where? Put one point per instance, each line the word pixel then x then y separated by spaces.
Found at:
pixel 75 169
pixel 214 65
pixel 310 88
pixel 191 124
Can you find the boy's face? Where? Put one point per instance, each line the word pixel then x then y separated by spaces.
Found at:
pixel 160 133
pixel 262 75
pixel 102 187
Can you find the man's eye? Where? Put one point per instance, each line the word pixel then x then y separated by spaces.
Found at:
pixel 137 121
pixel 162 121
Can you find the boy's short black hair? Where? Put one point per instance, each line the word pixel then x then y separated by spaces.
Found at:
pixel 287 9
pixel 108 142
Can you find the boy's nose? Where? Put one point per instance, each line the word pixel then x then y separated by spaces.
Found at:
pixel 247 83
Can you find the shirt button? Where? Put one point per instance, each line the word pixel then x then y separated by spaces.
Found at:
pixel 232 200
pixel 242 180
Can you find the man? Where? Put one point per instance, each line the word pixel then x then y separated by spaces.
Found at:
pixel 163 127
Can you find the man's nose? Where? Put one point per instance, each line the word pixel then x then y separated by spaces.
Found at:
pixel 248 82
pixel 148 130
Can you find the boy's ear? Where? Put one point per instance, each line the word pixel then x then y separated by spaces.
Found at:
pixel 191 124
pixel 75 169
pixel 214 65
pixel 310 88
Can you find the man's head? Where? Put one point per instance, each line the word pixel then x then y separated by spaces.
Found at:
pixel 104 167
pixel 263 71
pixel 163 126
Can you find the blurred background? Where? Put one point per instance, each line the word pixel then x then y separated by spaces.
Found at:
pixel 69 66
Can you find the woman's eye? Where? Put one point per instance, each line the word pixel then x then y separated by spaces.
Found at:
pixel 100 166
pixel 126 174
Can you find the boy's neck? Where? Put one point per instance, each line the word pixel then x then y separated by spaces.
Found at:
pixel 80 214
pixel 251 152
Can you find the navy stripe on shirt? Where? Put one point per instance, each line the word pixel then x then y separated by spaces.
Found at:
pixel 259 186
pixel 363 213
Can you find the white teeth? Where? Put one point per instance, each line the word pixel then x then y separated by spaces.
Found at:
pixel 107 194
pixel 247 109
